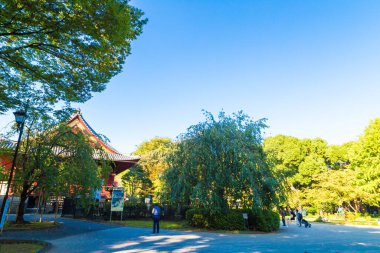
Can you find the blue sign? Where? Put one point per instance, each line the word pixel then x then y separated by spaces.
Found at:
pixel 117 203
pixel 4 214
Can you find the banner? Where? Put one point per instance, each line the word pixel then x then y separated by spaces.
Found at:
pixel 117 203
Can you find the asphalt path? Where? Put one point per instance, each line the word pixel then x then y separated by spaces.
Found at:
pixel 76 236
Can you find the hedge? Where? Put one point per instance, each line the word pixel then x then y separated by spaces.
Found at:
pixel 259 220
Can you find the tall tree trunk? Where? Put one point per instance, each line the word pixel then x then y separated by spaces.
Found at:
pixel 44 208
pixel 38 206
pixel 21 207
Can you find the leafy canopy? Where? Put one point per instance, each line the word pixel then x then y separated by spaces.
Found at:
pixel 220 162
pixel 136 182
pixel 62 51
pixel 55 159
pixel 153 155
pixel 366 162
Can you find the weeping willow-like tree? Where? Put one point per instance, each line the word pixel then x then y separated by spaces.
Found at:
pixel 220 162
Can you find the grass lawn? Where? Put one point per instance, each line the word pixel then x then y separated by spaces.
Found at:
pixel 30 225
pixel 181 225
pixel 20 247
pixel 364 221
pixel 149 223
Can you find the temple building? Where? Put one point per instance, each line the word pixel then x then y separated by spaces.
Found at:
pixel 119 162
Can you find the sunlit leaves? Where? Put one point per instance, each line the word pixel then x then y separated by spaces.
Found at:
pixel 62 50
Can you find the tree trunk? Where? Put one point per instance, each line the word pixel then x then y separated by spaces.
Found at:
pixel 44 208
pixel 38 206
pixel 21 207
pixel 56 208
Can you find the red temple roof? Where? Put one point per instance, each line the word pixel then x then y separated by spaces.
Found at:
pixel 122 162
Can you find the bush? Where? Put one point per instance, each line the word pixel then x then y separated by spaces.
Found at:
pixel 197 217
pixel 199 220
pixel 312 210
pixel 260 220
pixel 131 210
pixel 136 210
pixel 231 220
pixel 264 220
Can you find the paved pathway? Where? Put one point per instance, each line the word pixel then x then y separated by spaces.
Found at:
pixel 76 236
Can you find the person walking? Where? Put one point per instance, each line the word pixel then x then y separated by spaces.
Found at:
pixel 299 217
pixel 156 212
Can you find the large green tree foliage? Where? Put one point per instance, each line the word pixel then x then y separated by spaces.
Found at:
pixel 221 161
pixel 299 159
pixel 367 163
pixel 136 183
pixel 153 155
pixel 54 51
pixel 57 160
pixel 334 188
pixel 318 175
pixel 286 152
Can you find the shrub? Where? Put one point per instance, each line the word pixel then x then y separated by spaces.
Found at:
pixel 135 210
pixel 199 220
pixel 231 220
pixel 312 210
pixel 264 220
pixel 197 217
pixel 261 220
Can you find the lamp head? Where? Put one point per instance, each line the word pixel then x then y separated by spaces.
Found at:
pixel 20 116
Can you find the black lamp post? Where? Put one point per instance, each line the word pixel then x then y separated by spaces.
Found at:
pixel 20 120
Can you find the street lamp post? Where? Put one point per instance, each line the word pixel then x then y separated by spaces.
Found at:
pixel 20 120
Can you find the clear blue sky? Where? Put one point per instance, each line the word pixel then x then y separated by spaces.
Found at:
pixel 311 67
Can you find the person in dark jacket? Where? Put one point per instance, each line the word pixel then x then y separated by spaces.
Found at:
pixel 156 212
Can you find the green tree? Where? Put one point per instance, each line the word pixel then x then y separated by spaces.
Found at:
pixel 62 51
pixel 301 160
pixel 220 161
pixel 286 152
pixel 335 188
pixel 55 159
pixel 153 155
pixel 136 182
pixel 366 163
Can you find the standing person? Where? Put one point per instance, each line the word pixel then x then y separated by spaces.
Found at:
pixel 299 217
pixel 283 213
pixel 304 212
pixel 156 211
pixel 293 214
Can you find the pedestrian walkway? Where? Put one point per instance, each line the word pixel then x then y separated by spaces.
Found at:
pixel 76 236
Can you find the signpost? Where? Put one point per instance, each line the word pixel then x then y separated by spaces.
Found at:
pixel 245 217
pixel 4 215
pixel 117 203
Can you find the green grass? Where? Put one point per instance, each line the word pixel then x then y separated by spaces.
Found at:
pixel 149 223
pixel 20 247
pixel 351 220
pixel 181 225
pixel 30 225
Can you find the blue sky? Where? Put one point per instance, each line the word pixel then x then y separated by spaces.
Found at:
pixel 310 67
